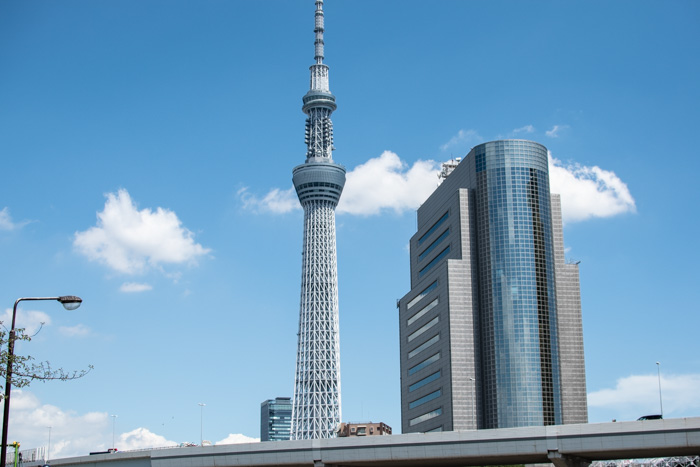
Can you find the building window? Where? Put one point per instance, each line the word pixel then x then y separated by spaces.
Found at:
pixel 425 417
pixel 434 227
pixel 427 308
pixel 424 381
pixel 435 260
pixel 435 429
pixel 424 328
pixel 424 363
pixel 424 346
pixel 420 296
pixel 434 244
pixel 424 399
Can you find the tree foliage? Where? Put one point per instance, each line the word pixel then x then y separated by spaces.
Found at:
pixel 26 369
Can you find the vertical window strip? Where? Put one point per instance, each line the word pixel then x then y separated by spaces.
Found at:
pixel 423 346
pixel 423 328
pixel 420 296
pixel 434 227
pixel 422 312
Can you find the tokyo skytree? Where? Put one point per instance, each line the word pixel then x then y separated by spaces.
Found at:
pixel 318 183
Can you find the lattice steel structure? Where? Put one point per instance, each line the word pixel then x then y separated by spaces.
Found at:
pixel 318 183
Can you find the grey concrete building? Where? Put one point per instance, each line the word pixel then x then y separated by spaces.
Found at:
pixel 490 333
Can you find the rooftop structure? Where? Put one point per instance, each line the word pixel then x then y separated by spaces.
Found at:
pixel 363 429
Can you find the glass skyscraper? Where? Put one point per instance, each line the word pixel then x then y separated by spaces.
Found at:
pixel 517 290
pixel 276 419
pixel 480 329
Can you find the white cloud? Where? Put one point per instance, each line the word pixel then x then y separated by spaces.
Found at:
pixel 72 434
pixel 129 241
pixel 588 191
pixel 381 183
pixel 462 141
pixel 524 129
pixel 142 438
pixel 133 287
pixel 388 183
pixel 79 330
pixel 238 439
pixel 6 222
pixel 30 321
pixel 276 201
pixel 637 395
pixel 556 130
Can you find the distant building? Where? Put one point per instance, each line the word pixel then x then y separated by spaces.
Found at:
pixel 491 333
pixel 363 429
pixel 276 419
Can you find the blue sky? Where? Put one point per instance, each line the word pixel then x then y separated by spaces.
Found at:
pixel 147 150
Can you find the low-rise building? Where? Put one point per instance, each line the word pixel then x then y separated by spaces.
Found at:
pixel 363 429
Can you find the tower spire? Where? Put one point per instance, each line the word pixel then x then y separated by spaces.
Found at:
pixel 318 183
pixel 319 32
pixel 319 103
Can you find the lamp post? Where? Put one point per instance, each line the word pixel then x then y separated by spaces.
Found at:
pixel 69 302
pixel 201 423
pixel 661 402
pixel 48 449
pixel 114 422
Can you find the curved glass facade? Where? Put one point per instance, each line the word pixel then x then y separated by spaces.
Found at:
pixel 521 382
pixel 491 328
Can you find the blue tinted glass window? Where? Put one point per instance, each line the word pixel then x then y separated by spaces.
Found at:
pixel 423 328
pixel 423 346
pixel 420 296
pixel 434 227
pixel 422 312
pixel 434 244
pixel 424 363
pixel 424 399
pixel 424 381
pixel 435 260
pixel 425 417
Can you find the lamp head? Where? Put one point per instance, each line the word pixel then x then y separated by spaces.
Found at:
pixel 70 302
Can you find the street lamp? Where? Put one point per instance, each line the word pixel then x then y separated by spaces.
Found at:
pixel 48 450
pixel 201 423
pixel 69 302
pixel 661 402
pixel 114 422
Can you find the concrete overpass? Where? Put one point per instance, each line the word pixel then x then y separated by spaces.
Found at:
pixel 563 445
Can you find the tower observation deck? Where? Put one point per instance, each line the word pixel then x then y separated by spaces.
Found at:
pixel 318 182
